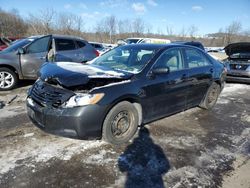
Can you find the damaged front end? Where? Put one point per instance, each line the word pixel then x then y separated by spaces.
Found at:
pixel 69 84
pixel 64 100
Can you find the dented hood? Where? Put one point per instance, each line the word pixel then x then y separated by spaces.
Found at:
pixel 70 74
pixel 240 47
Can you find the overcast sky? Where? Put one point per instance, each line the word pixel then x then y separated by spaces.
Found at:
pixel 208 15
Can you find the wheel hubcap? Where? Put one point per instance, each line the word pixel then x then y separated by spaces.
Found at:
pixel 121 124
pixel 6 80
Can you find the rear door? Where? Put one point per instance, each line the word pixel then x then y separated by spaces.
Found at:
pixel 34 56
pixel 200 76
pixel 166 93
pixel 65 50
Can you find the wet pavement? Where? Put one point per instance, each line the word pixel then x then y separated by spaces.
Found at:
pixel 190 149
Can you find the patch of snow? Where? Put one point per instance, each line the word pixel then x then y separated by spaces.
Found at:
pixel 245 117
pixel 180 142
pixel 43 150
pixel 231 89
pixel 86 69
pixel 28 135
pixel 10 111
pixel 98 158
pixel 223 101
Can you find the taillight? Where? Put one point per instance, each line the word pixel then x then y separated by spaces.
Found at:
pixel 96 53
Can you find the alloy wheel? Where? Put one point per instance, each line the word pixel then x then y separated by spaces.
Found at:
pixel 6 80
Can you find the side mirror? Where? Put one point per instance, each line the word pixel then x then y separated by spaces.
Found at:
pixel 160 70
pixel 20 51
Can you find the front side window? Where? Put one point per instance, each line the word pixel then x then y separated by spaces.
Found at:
pixel 40 45
pixel 127 58
pixel 64 44
pixel 171 58
pixel 195 58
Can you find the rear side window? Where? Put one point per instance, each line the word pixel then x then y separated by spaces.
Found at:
pixel 80 44
pixel 195 58
pixel 64 44
pixel 171 58
pixel 39 45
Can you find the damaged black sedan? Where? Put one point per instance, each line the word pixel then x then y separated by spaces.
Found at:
pixel 128 86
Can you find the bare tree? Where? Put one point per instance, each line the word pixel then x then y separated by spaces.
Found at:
pixel 192 30
pixel 138 26
pixel 111 26
pixel 169 31
pixel 11 24
pixel 183 33
pixel 42 23
pixel 232 31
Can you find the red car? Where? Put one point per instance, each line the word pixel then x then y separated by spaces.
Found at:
pixel 5 42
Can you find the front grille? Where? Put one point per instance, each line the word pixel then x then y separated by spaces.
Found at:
pixel 47 95
pixel 238 66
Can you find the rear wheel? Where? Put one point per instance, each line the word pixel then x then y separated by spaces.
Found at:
pixel 211 96
pixel 8 79
pixel 120 124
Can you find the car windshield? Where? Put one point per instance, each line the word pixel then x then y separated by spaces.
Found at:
pixel 18 44
pixel 127 58
pixel 244 55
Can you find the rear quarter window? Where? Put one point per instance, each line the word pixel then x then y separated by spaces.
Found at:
pixel 64 44
pixel 196 59
pixel 80 44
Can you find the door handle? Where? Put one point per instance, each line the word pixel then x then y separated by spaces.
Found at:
pixel 42 58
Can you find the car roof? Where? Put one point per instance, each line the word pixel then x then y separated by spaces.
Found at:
pixel 160 45
pixel 191 43
pixel 66 37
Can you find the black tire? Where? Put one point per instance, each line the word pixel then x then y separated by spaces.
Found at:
pixel 211 96
pixel 14 79
pixel 120 124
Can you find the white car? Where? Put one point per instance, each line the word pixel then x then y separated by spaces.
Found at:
pixel 142 40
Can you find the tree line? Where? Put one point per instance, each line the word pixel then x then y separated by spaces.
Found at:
pixel 109 29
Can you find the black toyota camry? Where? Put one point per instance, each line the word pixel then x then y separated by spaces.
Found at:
pixel 127 87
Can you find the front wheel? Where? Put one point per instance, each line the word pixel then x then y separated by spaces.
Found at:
pixel 120 124
pixel 8 79
pixel 211 96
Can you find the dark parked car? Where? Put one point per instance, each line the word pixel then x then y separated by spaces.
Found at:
pixel 124 88
pixel 238 62
pixel 23 58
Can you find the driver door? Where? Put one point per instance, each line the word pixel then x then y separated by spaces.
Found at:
pixel 34 56
pixel 166 93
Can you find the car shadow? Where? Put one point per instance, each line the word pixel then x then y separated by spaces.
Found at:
pixel 24 83
pixel 144 162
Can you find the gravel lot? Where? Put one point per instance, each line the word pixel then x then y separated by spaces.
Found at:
pixel 190 149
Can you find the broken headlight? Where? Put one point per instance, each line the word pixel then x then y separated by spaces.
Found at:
pixel 83 100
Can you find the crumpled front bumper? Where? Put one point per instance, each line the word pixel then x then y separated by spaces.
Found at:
pixel 79 122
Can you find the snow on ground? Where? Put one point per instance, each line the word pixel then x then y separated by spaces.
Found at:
pixel 41 149
pixel 199 146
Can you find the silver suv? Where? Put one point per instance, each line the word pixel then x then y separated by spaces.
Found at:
pixel 23 58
